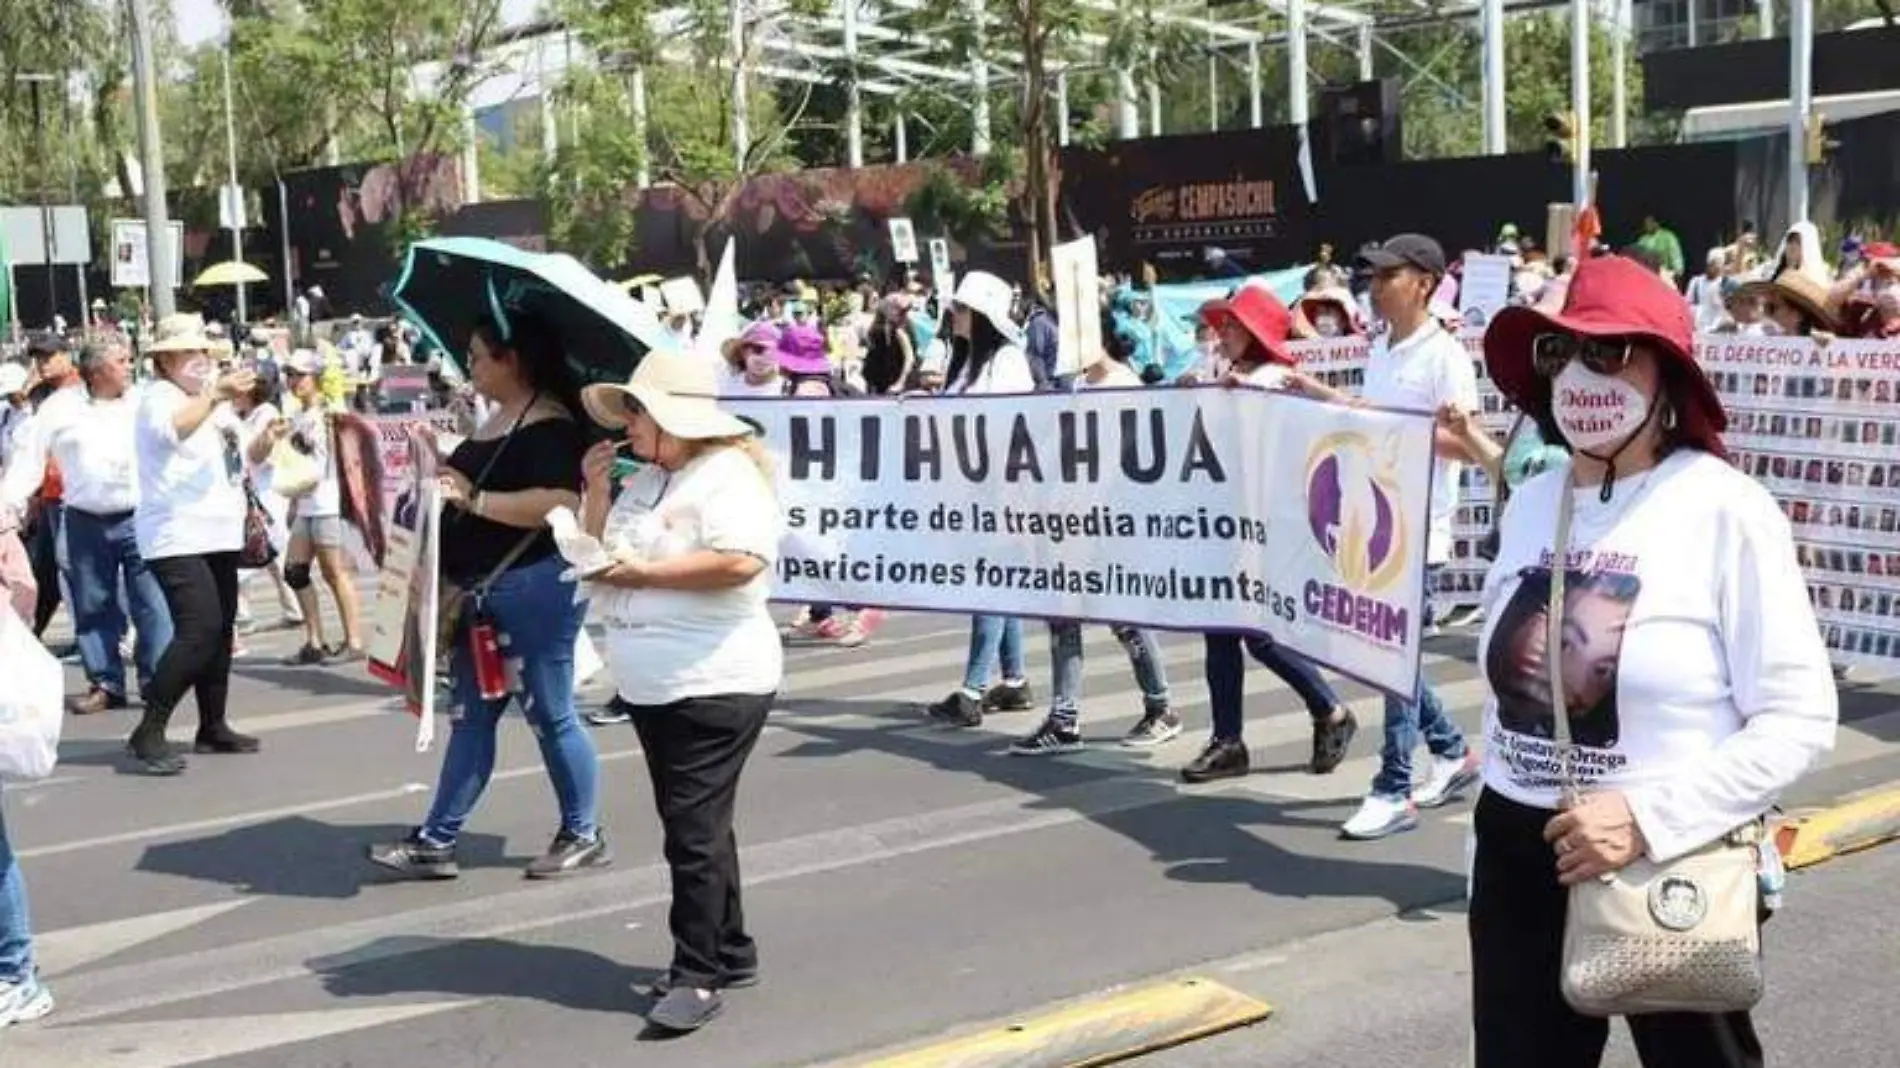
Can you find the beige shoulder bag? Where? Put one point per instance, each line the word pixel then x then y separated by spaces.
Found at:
pixel 1683 936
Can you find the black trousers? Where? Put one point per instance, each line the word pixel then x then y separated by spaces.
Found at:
pixel 695 750
pixel 1519 1015
pixel 202 594
pixel 42 551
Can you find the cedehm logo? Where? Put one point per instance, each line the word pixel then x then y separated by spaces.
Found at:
pixel 1352 508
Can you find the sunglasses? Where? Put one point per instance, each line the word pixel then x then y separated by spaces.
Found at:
pixel 1551 353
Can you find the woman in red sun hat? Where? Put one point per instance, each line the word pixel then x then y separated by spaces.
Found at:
pixel 1691 677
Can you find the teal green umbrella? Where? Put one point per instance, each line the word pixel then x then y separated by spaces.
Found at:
pixel 450 284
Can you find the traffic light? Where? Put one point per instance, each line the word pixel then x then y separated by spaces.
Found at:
pixel 1817 141
pixel 1560 137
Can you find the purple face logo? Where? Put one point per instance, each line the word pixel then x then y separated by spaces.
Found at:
pixel 1352 509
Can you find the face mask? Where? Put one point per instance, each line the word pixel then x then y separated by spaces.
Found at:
pixel 1594 411
pixel 1327 326
pixel 194 374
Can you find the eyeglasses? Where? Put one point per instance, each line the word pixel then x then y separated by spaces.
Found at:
pixel 1551 353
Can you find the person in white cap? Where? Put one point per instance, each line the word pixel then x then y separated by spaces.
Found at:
pixel 987 357
pixel 190 530
pixel 692 647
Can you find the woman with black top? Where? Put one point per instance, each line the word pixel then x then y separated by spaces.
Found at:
pixel 497 488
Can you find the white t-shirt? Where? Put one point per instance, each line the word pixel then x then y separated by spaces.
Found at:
pixel 1697 681
pixel 1007 372
pixel 312 426
pixel 262 474
pixel 1116 376
pixel 1267 376
pixel 668 645
pixel 1428 369
pixel 191 492
pixel 732 383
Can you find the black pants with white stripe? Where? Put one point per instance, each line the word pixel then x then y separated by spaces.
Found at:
pixel 1518 1010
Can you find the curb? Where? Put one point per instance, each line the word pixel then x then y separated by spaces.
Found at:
pixel 1858 822
pixel 1098 1030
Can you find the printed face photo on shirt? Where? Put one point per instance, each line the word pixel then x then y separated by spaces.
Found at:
pixel 1597 608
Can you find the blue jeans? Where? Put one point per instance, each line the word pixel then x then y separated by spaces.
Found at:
pixel 16 935
pixel 535 611
pixel 993 638
pixel 1406 720
pixel 1065 664
pixel 1226 684
pixel 101 552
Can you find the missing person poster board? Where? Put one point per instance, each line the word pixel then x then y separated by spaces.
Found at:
pixel 1199 509
pixel 1078 292
pixel 903 241
pixel 403 618
pixel 942 278
pixel 1485 288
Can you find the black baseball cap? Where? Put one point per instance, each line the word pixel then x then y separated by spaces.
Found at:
pixel 1406 250
pixel 40 346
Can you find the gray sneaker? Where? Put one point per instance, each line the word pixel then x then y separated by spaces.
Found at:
pixel 686 1009
pixel 569 854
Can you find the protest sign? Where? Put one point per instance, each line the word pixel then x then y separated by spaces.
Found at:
pixel 1078 304
pixel 1485 287
pixel 903 240
pixel 942 279
pixel 402 633
pixel 1190 509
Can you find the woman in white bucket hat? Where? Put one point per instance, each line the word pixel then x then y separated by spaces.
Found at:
pixel 987 358
pixel 694 654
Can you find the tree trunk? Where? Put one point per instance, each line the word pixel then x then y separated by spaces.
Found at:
pixel 1037 196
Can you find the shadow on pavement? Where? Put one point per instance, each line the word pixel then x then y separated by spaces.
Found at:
pixel 347 681
pixel 489 968
pixel 301 857
pixel 1202 838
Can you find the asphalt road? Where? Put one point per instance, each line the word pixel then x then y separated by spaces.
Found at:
pixel 902 881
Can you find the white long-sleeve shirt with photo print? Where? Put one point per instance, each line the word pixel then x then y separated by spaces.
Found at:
pixel 1695 677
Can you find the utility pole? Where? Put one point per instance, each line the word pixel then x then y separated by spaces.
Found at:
pixel 47 244
pixel 72 180
pixel 151 160
pixel 236 195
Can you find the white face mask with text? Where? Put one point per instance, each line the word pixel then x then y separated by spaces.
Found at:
pixel 1595 411
pixel 195 374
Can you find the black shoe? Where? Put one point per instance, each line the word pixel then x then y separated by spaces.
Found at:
pixel 1331 739
pixel 569 854
pixel 1050 739
pixel 1008 697
pixel 1158 726
pixel 737 979
pixel 614 711
pixel 152 755
pixel 416 858
pixel 225 742
pixel 686 1009
pixel 958 710
pixel 308 656
pixel 1224 758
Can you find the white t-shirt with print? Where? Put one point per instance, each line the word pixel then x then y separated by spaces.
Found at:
pixel 1426 370
pixel 668 645
pixel 191 491
pixel 312 426
pixel 1697 682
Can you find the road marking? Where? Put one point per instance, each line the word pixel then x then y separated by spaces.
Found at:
pixel 174 1043
pixel 70 948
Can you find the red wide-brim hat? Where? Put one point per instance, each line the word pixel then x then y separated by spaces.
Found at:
pixel 1263 316
pixel 1609 297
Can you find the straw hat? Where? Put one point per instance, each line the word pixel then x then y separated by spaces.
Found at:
pixel 1802 291
pixel 182 332
pixel 677 389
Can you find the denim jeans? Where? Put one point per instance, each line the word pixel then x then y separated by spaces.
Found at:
pixel 1226 684
pixel 535 611
pixel 1405 721
pixel 16 936
pixel 993 638
pixel 1065 664
pixel 102 559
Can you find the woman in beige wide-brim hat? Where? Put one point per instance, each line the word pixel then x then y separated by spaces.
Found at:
pixel 190 530
pixel 1796 303
pixel 694 654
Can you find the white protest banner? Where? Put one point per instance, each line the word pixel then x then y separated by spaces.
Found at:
pixel 903 241
pixel 402 634
pixel 1190 509
pixel 682 296
pixel 1078 290
pixel 1485 287
pixel 942 279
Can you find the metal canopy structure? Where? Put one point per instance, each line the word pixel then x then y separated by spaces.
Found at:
pixel 891 48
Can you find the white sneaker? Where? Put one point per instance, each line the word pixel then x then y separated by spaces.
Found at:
pixel 24 1001
pixel 1449 778
pixel 1380 815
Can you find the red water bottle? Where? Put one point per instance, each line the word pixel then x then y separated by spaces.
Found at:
pixel 484 646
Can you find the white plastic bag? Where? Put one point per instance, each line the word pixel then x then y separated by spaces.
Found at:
pixel 30 704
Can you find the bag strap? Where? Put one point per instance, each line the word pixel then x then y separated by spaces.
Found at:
pixel 1554 645
pixel 508 560
pixel 481 477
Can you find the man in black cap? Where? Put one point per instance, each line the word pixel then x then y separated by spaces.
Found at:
pixel 1415 364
